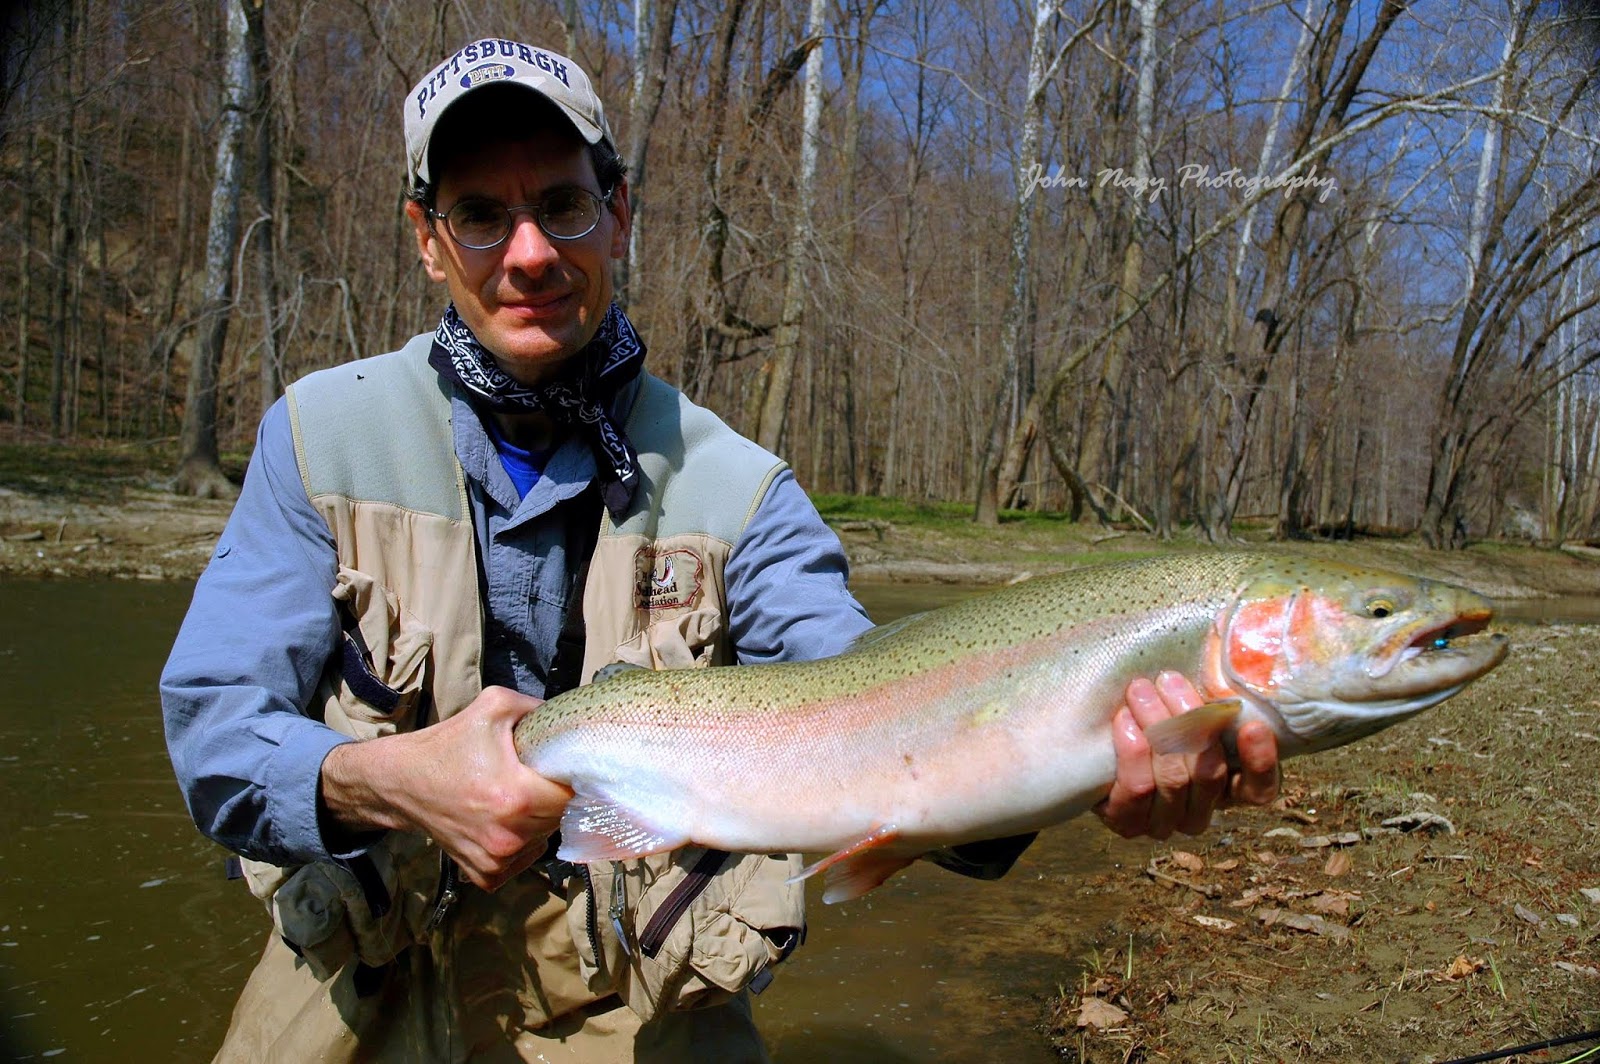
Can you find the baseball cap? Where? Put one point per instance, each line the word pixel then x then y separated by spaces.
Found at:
pixel 495 61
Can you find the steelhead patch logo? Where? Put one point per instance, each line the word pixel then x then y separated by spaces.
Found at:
pixel 667 580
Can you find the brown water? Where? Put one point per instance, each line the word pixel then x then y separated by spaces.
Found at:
pixel 120 939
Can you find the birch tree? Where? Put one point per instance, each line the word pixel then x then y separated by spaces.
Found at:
pixel 199 471
pixel 778 373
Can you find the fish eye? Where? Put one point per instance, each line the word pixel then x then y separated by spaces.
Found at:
pixel 1380 608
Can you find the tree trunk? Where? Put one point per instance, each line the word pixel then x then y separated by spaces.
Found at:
pixel 653 21
pixel 25 281
pixel 63 234
pixel 199 471
pixel 778 378
pixel 986 510
pixel 270 378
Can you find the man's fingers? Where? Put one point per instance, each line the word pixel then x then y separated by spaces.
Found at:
pixel 1126 810
pixel 1257 780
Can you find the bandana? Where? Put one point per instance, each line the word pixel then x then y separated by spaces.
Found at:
pixel 577 399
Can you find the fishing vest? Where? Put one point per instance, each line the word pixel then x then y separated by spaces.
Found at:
pixel 539 961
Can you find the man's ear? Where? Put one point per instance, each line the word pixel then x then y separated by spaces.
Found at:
pixel 622 209
pixel 428 241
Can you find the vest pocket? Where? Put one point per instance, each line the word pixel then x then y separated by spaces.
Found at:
pixel 376 677
pixel 699 929
pixel 368 910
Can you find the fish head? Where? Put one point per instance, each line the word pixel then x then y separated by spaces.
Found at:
pixel 1334 652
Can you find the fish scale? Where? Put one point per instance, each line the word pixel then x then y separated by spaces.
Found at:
pixel 992 716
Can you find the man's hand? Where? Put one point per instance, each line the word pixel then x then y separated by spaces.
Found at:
pixel 1156 795
pixel 458 781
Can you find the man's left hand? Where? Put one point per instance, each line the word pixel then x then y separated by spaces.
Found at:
pixel 1157 794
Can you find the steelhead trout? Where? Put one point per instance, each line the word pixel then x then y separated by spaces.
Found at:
pixel 992 717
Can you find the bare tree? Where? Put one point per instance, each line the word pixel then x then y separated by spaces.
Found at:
pixel 199 470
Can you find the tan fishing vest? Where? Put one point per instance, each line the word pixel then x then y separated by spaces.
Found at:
pixel 362 964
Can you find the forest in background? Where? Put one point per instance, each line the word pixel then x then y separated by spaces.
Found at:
pixel 1326 263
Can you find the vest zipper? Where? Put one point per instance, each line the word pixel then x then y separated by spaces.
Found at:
pixel 591 917
pixel 693 884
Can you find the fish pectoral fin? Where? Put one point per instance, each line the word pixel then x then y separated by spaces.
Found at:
pixel 597 829
pixel 857 868
pixel 1194 731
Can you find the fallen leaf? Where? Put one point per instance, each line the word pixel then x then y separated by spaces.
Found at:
pixel 1322 842
pixel 1591 894
pixel 1421 820
pixel 1461 968
pixel 1100 1013
pixel 1527 915
pixel 1578 969
pixel 1281 833
pixel 1187 861
pixel 1216 922
pixel 1225 866
pixel 1333 902
pixel 1101 986
pixel 1315 925
pixel 1338 863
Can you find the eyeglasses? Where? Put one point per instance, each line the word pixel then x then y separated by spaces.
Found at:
pixel 562 214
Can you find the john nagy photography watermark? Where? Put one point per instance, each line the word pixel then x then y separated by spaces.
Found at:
pixel 1201 176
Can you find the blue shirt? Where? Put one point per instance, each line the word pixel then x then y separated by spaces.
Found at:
pixel 262 623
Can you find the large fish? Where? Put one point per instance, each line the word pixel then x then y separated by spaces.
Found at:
pixel 992 717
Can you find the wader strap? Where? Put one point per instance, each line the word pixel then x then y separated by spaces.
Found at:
pixel 371 882
pixel 698 878
pixel 566 665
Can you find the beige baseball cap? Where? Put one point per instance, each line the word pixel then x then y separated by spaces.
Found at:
pixel 495 61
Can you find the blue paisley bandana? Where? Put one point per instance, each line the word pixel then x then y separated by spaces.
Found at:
pixel 578 398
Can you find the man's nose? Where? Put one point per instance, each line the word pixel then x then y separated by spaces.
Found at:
pixel 528 248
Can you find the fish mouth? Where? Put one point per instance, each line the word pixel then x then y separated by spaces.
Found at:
pixel 1435 659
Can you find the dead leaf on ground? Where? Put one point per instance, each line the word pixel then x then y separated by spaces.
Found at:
pixel 1215 922
pixel 1225 866
pixel 1187 861
pixel 1527 915
pixel 1339 862
pixel 1578 969
pixel 1315 925
pixel 1322 842
pixel 1462 967
pixel 1333 902
pixel 1100 1014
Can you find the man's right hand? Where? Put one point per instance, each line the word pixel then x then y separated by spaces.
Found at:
pixel 458 781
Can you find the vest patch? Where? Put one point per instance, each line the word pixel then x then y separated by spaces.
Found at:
pixel 667 580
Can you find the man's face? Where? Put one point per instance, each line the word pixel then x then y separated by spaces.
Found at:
pixel 532 301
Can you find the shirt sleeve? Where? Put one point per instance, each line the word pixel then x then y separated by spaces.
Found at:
pixel 788 598
pixel 246 662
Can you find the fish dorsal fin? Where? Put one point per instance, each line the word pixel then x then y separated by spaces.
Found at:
pixel 874 636
pixel 616 668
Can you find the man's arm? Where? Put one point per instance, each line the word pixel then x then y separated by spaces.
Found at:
pixel 248 658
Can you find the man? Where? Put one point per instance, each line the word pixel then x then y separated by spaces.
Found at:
pixel 429 539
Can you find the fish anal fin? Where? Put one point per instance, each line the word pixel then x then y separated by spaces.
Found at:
pixel 1194 731
pixel 595 828
pixel 860 873
pixel 859 867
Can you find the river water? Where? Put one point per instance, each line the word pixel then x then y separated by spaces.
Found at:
pixel 121 940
